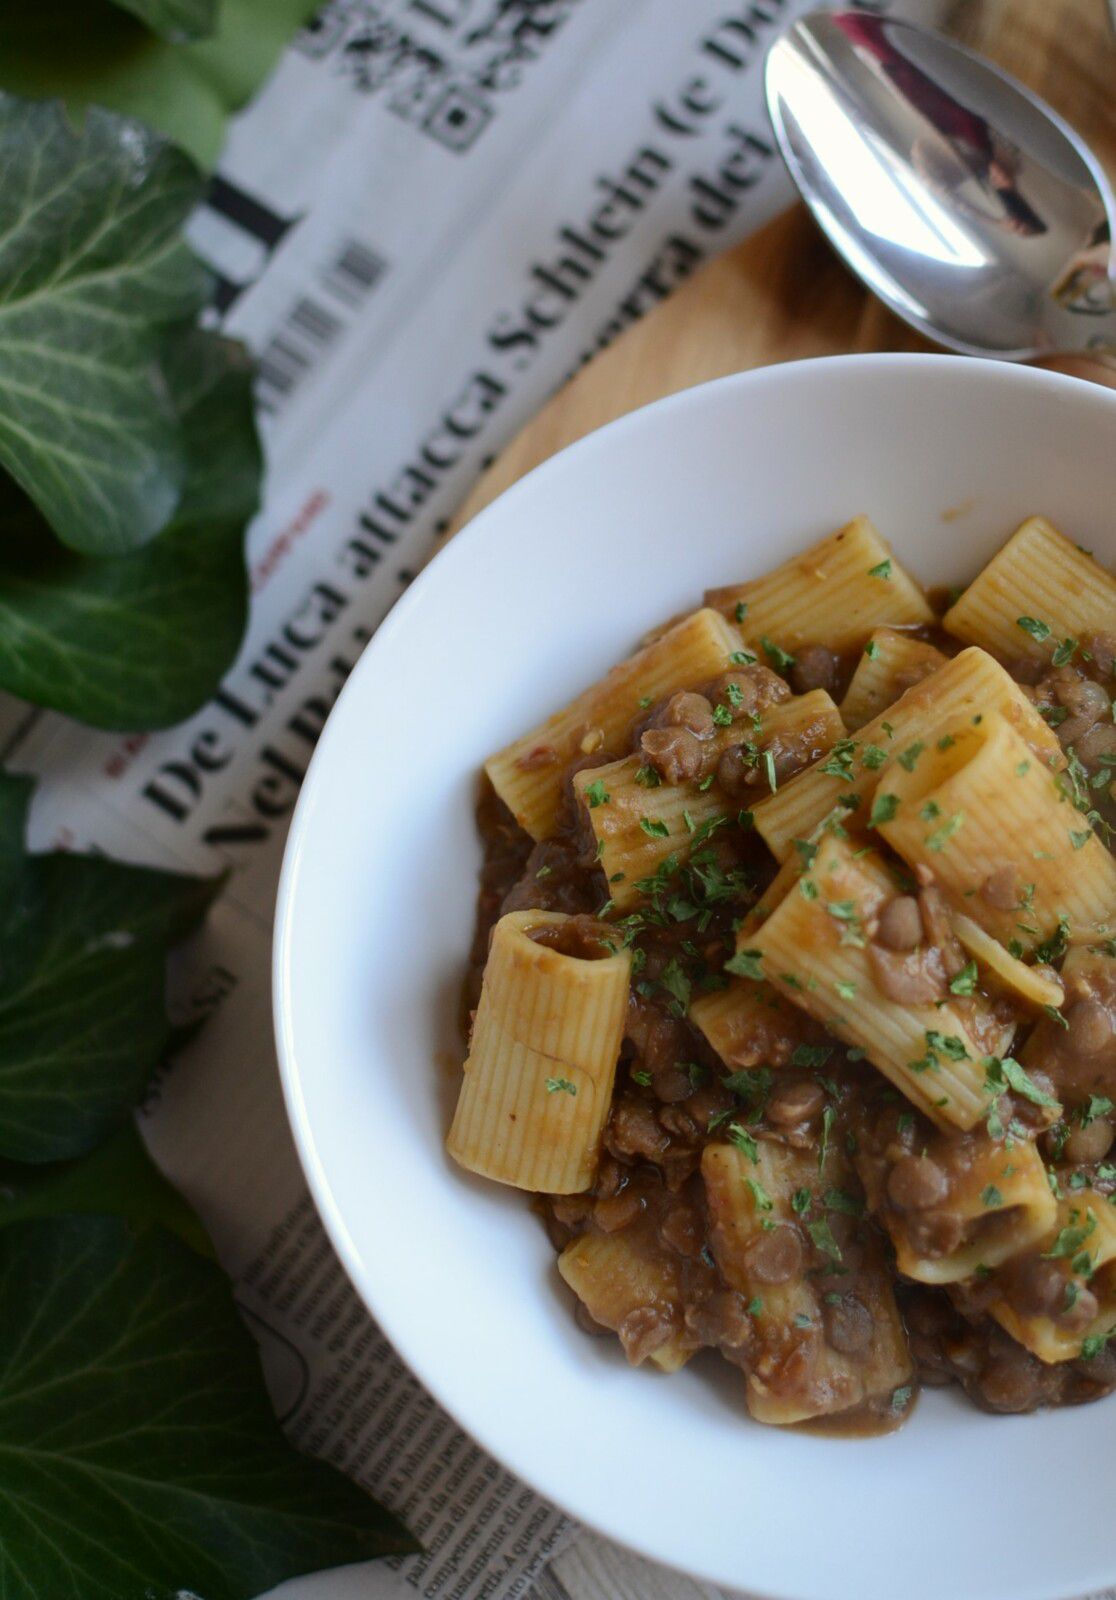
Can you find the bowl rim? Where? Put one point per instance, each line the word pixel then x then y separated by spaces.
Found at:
pixel 463 546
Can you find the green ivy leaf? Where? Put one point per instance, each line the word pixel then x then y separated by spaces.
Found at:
pixel 175 19
pixel 139 1458
pixel 93 271
pixel 118 1179
pixel 82 974
pixel 91 52
pixel 140 641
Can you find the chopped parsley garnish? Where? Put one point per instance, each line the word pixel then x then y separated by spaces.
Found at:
pixel 769 771
pixel 754 1306
pixel 965 981
pixel 882 569
pixel 1080 838
pixel 872 649
pixel 1022 769
pixel 822 1235
pixel 742 658
pixel 647 778
pixel 811 1055
pixel 646 700
pixel 829 1117
pixel 807 851
pixel 657 829
pixel 1037 630
pixel 1063 653
pixel 763 1201
pixel 840 760
pixel 800 1202
pixel 741 610
pixel 743 1141
pixel 872 757
pixel 807 888
pixel 991 1196
pixel 841 1200
pixel 746 964
pixel 1054 948
pixel 930 810
pixel 544 872
pixel 946 742
pixel 642 1077
pixel 900 1398
pixel 722 716
pixel 884 807
pixel 560 1086
pixel 1072 1237
pixel 937 839
pixel 674 980
pixel 947 1044
pixel 1004 1073
pixel 781 660
pixel 908 757
pixel 596 793
pixel 847 991
pixel 746 820
pixel 1099 1105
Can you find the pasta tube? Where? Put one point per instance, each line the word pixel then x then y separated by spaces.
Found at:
pixel 1039 591
pixel 528 773
pixel 996 829
pixel 833 594
pixel 620 1277
pixel 828 1337
pixel 1059 1299
pixel 972 684
pixel 891 664
pixel 638 823
pixel 539 1074
pixel 956 1206
pixel 813 948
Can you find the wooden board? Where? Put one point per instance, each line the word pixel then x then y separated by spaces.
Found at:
pixel 783 294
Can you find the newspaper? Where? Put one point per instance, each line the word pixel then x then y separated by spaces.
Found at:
pixel 433 214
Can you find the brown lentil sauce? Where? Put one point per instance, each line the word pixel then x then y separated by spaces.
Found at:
pixel 799 1088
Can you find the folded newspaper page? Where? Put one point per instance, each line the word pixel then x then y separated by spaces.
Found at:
pixel 435 212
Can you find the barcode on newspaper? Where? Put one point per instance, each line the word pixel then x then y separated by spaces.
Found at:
pixel 315 322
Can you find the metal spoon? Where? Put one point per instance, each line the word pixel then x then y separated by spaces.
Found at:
pixel 959 197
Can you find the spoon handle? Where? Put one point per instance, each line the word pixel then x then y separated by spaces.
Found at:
pixel 1096 366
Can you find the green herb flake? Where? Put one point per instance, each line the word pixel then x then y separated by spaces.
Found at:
pixel 901 1397
pixel 740 610
pixel 742 658
pixel 647 778
pixel 744 1141
pixel 907 758
pixel 822 1235
pixel 991 1197
pixel 884 807
pixel 1080 838
pixel 597 794
pixel 656 829
pixel 872 650
pixel 937 840
pixel 746 964
pixel 946 742
pixel 781 660
pixel 1037 630
pixel 846 990
pixel 560 1086
pixel 882 569
pixel 760 1197
pixel 965 981
pixel 1001 1073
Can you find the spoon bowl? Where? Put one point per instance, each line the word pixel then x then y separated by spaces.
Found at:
pixel 962 200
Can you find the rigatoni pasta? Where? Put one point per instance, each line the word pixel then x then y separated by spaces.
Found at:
pixel 970 685
pixel 891 663
pixel 1000 834
pixel 815 948
pixel 639 819
pixel 833 594
pixel 547 1035
pixel 1039 600
pixel 527 775
pixel 802 1030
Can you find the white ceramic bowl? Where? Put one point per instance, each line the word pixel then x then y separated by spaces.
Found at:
pixel 547 588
